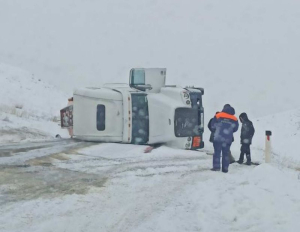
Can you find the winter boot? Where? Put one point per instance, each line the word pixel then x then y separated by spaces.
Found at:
pixel 248 159
pixel 241 159
pixel 215 169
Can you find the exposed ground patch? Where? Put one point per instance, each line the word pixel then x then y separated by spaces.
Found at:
pixel 38 177
pixel 40 180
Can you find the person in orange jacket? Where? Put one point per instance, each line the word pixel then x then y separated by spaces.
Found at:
pixel 224 124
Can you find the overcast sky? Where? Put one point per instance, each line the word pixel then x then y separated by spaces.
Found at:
pixel 245 53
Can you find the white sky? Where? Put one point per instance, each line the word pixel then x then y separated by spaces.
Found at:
pixel 245 53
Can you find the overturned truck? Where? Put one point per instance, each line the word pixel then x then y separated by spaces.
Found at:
pixel 145 111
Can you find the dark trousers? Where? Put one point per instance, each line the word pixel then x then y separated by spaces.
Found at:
pixel 221 148
pixel 245 149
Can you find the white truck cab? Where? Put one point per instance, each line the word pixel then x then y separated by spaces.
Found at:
pixel 144 112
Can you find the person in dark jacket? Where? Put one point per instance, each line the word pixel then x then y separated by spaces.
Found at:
pixel 224 124
pixel 247 133
pixel 211 138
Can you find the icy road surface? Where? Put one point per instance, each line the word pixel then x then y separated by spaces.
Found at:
pixel 77 186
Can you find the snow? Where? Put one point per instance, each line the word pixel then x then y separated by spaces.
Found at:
pixel 166 190
pixel 242 52
pixel 285 136
pixel 29 107
pixel 22 91
pixel 286 133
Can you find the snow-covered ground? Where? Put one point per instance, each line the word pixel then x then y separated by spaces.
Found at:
pixel 29 107
pixel 285 127
pixel 115 187
pixel 285 137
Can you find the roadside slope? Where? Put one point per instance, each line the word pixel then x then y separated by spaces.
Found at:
pixel 29 107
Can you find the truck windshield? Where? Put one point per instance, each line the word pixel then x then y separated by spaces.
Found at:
pixel 140 118
pixel 187 122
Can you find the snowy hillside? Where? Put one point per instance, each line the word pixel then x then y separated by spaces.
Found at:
pixel 27 95
pixel 29 107
pixel 286 136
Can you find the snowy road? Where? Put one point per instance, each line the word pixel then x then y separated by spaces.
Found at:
pixel 14 148
pixel 18 153
pixel 116 187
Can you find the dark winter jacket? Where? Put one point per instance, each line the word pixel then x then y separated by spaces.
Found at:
pixel 211 138
pixel 247 131
pixel 212 132
pixel 225 124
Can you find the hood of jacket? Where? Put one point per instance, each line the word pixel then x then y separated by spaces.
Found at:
pixel 228 109
pixel 244 117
